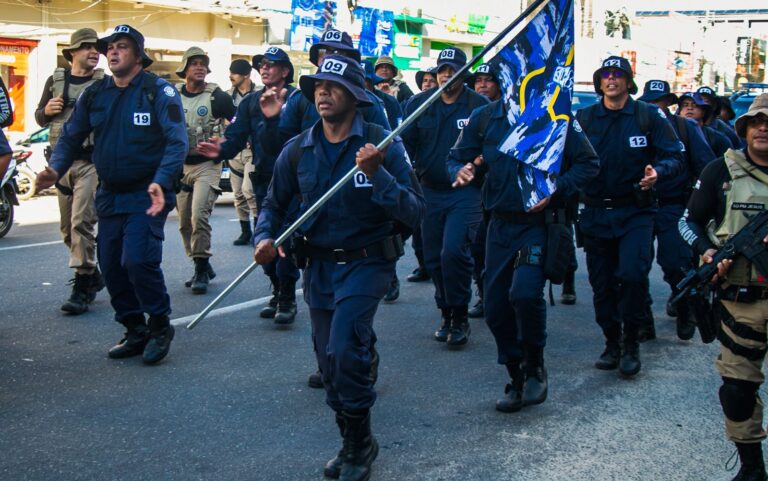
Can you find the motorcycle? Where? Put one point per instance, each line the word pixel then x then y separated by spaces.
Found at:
pixel 25 180
pixel 8 198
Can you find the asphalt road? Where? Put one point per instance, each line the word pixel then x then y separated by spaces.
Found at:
pixel 231 402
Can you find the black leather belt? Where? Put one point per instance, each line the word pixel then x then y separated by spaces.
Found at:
pixel 547 216
pixel 125 188
pixel 626 201
pixel 743 294
pixel 679 200
pixel 389 248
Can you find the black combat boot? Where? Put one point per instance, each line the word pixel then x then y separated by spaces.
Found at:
pixel 477 311
pixel 315 380
pixel 202 278
pixel 95 284
pixel 78 299
pixel 269 311
pixel 609 359
pixel 752 464
pixel 419 274
pixel 685 322
pixel 671 308
pixel 160 336
pixel 286 302
pixel 360 447
pixel 536 385
pixel 512 400
pixel 568 294
pixel 647 329
pixel 441 335
pixel 134 340
pixel 211 275
pixel 458 334
pixel 333 467
pixel 630 355
pixel 245 234
pixel 394 290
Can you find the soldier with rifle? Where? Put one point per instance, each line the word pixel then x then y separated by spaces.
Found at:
pixel 729 199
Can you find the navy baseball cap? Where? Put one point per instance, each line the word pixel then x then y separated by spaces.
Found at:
pixel 130 32
pixel 370 72
pixel 452 56
pixel 274 54
pixel 619 63
pixel 342 70
pixel 657 89
pixel 484 69
pixel 698 100
pixel 709 92
pixel 421 73
pixel 334 40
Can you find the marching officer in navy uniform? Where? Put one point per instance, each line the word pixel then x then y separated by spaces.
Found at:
pixel 514 279
pixel 349 245
pixel 453 215
pixel 636 146
pixel 728 192
pixel 276 72
pixel 715 121
pixel 693 105
pixel 674 256
pixel 140 142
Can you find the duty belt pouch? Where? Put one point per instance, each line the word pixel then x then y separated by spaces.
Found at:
pixel 299 252
pixel 558 252
pixel 530 256
pixel 644 198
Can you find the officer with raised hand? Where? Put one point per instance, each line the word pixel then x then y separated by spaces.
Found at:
pixel 205 107
pixel 139 145
pixel 637 147
pixel 349 246
pixel 693 106
pixel 76 189
pixel 453 215
pixel 515 309
pixel 715 121
pixel 674 256
pixel 241 165
pixel 386 70
pixel 276 72
pixel 729 190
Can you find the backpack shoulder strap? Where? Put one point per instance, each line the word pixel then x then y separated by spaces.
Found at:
pixel 585 117
pixel 484 118
pixel 682 128
pixel 98 74
pixel 150 87
pixel 91 91
pixel 643 112
pixel 294 151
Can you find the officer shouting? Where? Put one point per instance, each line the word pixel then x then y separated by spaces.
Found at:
pixel 636 146
pixel 241 165
pixel 276 72
pixel 728 190
pixel 453 215
pixel 205 106
pixel 349 245
pixel 137 121
pixel 76 189
pixel 515 309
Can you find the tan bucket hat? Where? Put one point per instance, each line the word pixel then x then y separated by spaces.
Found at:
pixel 189 54
pixel 78 38
pixel 759 106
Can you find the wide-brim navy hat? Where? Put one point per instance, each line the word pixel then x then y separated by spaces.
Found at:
pixel 337 40
pixel 370 72
pixel 709 93
pixel 484 69
pixel 341 70
pixel 453 57
pixel 274 54
pixel 657 89
pixel 421 73
pixel 619 63
pixel 130 32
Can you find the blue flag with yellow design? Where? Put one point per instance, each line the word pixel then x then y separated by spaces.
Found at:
pixel 536 75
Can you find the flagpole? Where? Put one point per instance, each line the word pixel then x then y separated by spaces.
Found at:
pixel 381 146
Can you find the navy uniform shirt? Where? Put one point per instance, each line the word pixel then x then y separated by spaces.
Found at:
pixel 136 142
pixel 718 141
pixel 392 107
pixel 358 215
pixel 697 154
pixel 722 126
pixel 625 150
pixel 501 190
pixel 249 123
pixel 430 137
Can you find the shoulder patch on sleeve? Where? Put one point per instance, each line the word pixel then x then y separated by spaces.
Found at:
pixel 169 91
pixel 577 126
pixel 174 113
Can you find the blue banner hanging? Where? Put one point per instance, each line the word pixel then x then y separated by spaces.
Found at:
pixel 310 19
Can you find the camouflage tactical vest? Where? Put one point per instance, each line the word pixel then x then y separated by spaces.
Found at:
pixel 70 97
pixel 198 114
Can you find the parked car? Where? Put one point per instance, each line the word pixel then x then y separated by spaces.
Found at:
pixel 741 100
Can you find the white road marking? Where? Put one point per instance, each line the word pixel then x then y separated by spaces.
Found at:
pixel 228 309
pixel 24 246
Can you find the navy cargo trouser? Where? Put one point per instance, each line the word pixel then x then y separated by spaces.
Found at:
pixel 130 250
pixel 448 230
pixel 515 310
pixel 282 268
